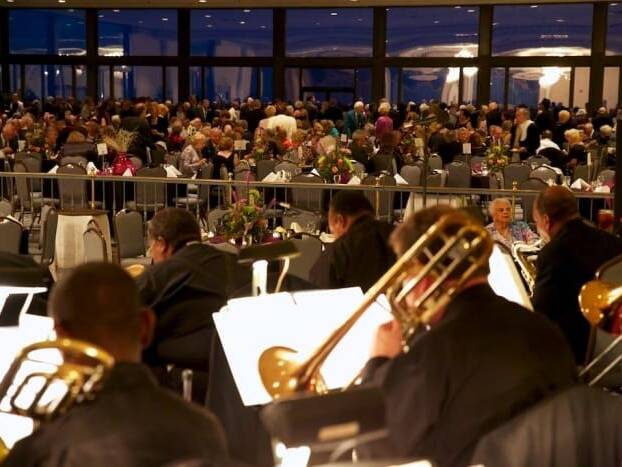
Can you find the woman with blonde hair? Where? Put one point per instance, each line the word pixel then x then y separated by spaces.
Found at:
pixel 384 124
pixel 191 160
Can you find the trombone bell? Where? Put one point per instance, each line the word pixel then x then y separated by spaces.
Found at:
pixel 594 298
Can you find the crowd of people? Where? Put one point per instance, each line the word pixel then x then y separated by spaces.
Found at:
pixel 381 136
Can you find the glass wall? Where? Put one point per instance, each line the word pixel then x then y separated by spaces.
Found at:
pixel 42 81
pixel 611 86
pixel 542 30
pixel 440 84
pixel 614 29
pixel 432 32
pixel 337 32
pixel 528 86
pixel 231 33
pixel 342 85
pixel 131 82
pixel 137 32
pixel 48 32
pixel 223 84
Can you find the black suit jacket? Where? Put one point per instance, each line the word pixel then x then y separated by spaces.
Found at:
pixel 564 265
pixel 485 361
pixel 357 259
pixel 184 291
pixel 531 142
pixel 143 138
pixel 131 422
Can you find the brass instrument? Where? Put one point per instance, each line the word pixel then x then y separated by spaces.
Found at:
pixel 447 254
pixel 596 300
pixel 525 255
pixel 47 378
pixel 135 270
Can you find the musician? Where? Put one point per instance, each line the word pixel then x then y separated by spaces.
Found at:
pixel 131 421
pixel 574 252
pixel 483 360
pixel 503 229
pixel 360 253
pixel 187 283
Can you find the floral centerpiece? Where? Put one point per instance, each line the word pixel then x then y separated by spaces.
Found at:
pixel 120 143
pixel 246 218
pixel 497 158
pixel 335 166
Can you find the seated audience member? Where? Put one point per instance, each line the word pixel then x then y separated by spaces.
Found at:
pixel 483 360
pixel 78 146
pixel 360 254
pixel 361 148
pixel 503 229
pixel 385 159
pixel 131 421
pixel 186 284
pixel 191 159
pixel 224 158
pixel 575 250
pixel 546 141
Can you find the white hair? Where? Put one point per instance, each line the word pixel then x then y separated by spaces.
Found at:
pixel 359 105
pixel 494 202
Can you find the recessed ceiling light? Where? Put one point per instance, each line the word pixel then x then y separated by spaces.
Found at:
pixel 470 11
pixel 534 6
pixel 115 11
pixel 61 1
pixel 334 13
pixel 202 1
pixel 9 1
pixel 458 6
pixel 247 11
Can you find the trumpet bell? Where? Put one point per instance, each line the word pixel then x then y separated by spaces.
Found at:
pixel 279 368
pixel 595 297
pixel 135 270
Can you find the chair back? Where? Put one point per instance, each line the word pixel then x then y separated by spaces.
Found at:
pixel 33 165
pixel 150 196
pixel 554 155
pixel 304 198
pixel 287 167
pixel 515 173
pixel 581 171
pixel 435 180
pixel 537 161
pixel 458 175
pixel 607 176
pixel 48 234
pixel 544 173
pixel 310 250
pixel 214 217
pixel 72 193
pixel 75 160
pixel 6 208
pixel 412 174
pixel 10 235
pixel 264 167
pixel 242 188
pixel 137 162
pixel 382 201
pixel 476 163
pixel 95 249
pixel 128 226
pixel 435 162
pixel 536 184
pixel 22 186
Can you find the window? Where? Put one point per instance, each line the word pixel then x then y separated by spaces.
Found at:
pixel 581 91
pixel 47 32
pixel 42 81
pixel 614 29
pixel 225 84
pixel 611 85
pixel 425 84
pixel 137 32
pixel 432 32
pixel 343 85
pixel 528 86
pixel 338 32
pixel 231 33
pixel 131 82
pixel 542 30
pixel 497 86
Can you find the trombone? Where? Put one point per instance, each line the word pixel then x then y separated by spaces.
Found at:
pixel 596 300
pixel 47 378
pixel 448 254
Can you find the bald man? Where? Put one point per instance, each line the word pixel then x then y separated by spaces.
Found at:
pixel 575 250
pixel 131 421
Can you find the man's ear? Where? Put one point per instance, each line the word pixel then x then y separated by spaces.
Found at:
pixel 147 327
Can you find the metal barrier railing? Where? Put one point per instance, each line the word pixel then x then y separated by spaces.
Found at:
pixel 29 192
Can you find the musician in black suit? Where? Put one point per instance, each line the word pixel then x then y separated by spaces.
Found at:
pixel 188 282
pixel 570 259
pixel 131 421
pixel 360 253
pixel 483 360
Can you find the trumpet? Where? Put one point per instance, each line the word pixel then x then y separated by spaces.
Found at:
pixel 47 378
pixel 596 300
pixel 449 253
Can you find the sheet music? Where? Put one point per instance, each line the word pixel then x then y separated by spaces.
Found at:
pixel 301 321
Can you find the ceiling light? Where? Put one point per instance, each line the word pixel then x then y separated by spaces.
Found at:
pixel 9 1
pixel 115 11
pixel 470 11
pixel 534 6
pixel 242 22
pixel 334 13
pixel 457 7
pixel 208 16
pixel 61 1
pixel 202 1
pixel 164 19
pixel 247 11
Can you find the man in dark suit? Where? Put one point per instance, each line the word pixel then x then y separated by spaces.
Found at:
pixel 137 123
pixel 545 119
pixel 131 421
pixel 354 119
pixel 482 360
pixel 360 254
pixel 570 259
pixel 525 135
pixel 187 283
